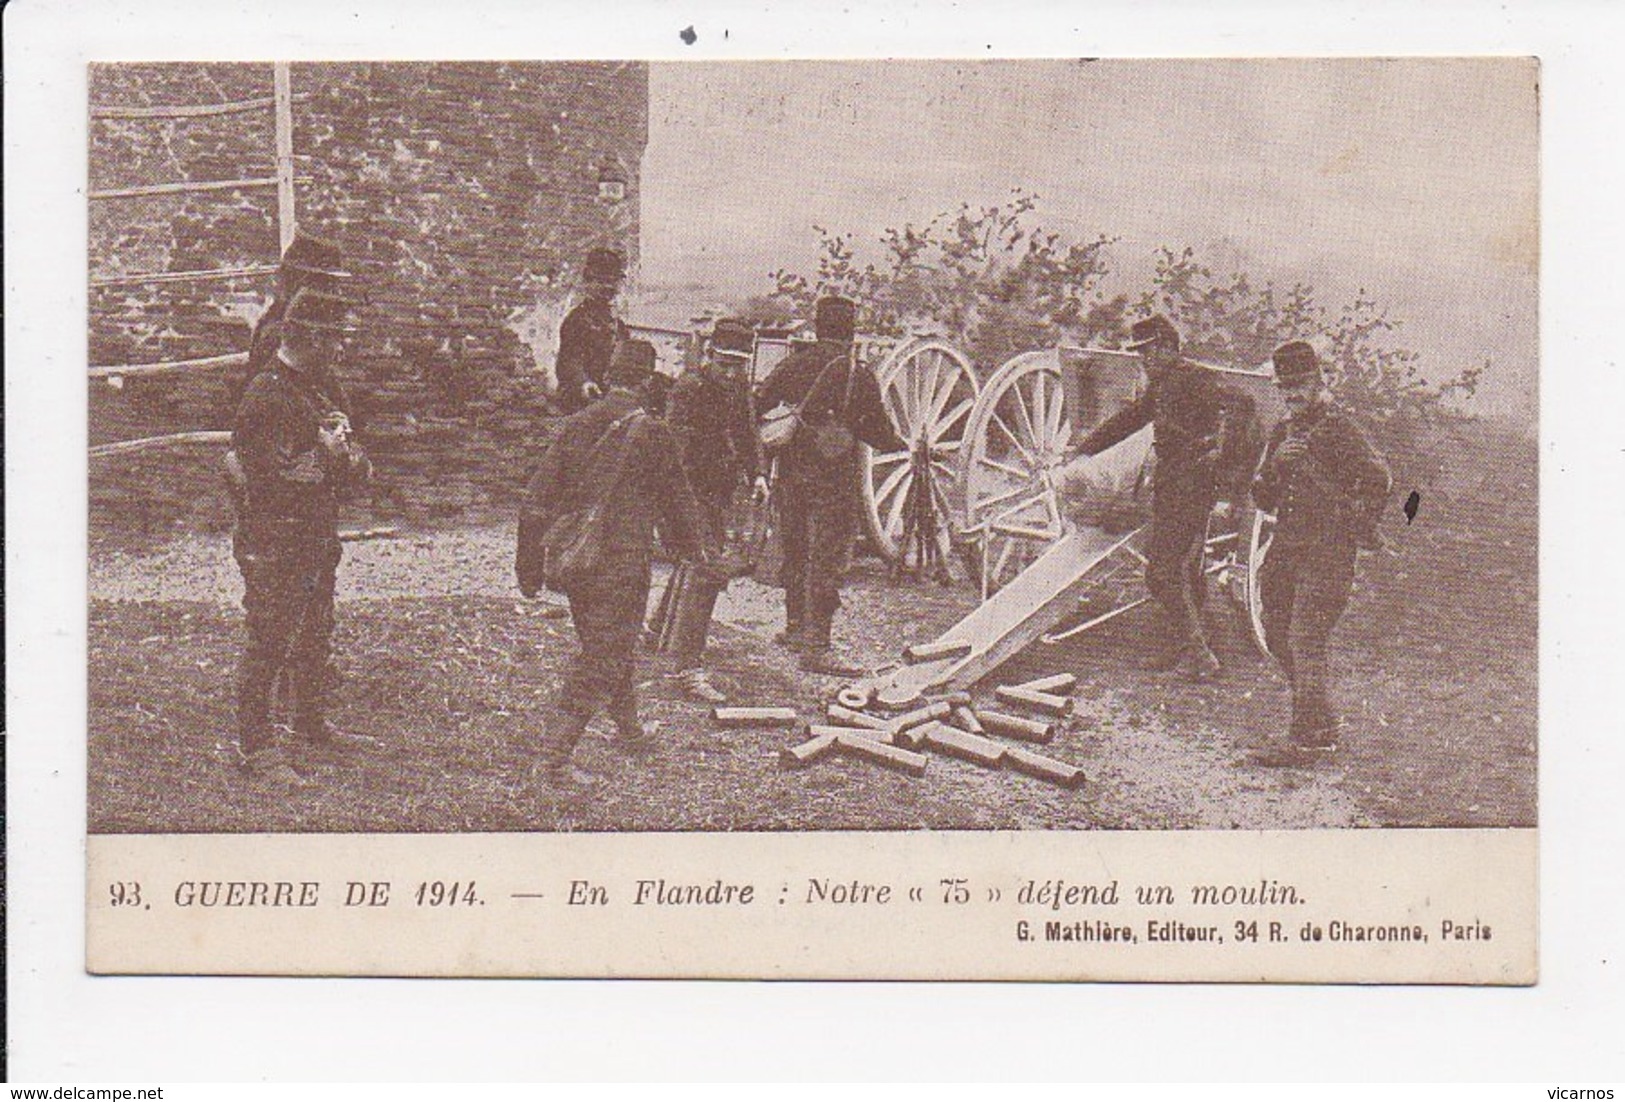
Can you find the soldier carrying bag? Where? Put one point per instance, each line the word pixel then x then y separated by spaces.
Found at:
pixel 779 425
pixel 562 552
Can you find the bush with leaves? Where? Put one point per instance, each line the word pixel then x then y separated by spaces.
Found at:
pixel 987 278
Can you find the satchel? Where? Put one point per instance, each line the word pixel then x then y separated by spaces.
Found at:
pixel 832 441
pixel 563 552
pixel 780 425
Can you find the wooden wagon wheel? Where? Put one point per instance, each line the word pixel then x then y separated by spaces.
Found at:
pixel 1017 435
pixel 1254 533
pixel 929 389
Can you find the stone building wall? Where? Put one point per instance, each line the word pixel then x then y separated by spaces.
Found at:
pixel 465 194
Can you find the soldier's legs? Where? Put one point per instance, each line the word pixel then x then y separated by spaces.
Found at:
pixel 311 665
pixel 1276 582
pixel 1173 572
pixel 1319 598
pixel 831 531
pixel 795 543
pixel 608 618
pixel 697 600
pixel 272 608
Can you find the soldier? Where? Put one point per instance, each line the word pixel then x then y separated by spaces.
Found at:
pixel 817 488
pixel 1327 487
pixel 293 442
pixel 1192 417
pixel 590 332
pixel 615 465
pixel 308 261
pixel 713 415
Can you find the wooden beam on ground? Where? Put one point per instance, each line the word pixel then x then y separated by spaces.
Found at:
pixel 964 718
pixel 932 652
pixel 756 717
pixel 125 447
pixel 1028 730
pixel 817 730
pixel 850 718
pixel 804 754
pixel 360 535
pixel 120 371
pixel 962 744
pixel 892 757
pixel 939 710
pixel 1048 703
pixel 1045 768
pixel 1054 683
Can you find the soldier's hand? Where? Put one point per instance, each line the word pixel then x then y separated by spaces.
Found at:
pixel 591 391
pixel 759 490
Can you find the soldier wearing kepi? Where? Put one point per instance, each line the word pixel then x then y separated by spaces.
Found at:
pixel 602 488
pixel 590 332
pixel 308 261
pixel 712 413
pixel 818 470
pixel 1327 486
pixel 1193 418
pixel 293 441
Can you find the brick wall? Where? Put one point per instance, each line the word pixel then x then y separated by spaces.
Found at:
pixel 465 193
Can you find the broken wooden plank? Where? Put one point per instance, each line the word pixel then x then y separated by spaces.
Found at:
pixel 1048 703
pixel 963 744
pixel 1028 730
pixel 850 718
pixel 806 753
pixel 932 652
pixel 878 752
pixel 965 718
pixel 1045 768
pixel 756 717
pixel 1054 683
pixel 818 730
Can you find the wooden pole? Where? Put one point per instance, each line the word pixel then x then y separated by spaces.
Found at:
pixel 283 94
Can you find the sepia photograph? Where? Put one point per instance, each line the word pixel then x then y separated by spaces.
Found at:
pixel 624 446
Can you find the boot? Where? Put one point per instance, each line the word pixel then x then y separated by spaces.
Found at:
pixel 822 658
pixel 793 637
pixel 633 735
pixel 696 683
pixel 269 766
pixel 1291 755
pixel 558 743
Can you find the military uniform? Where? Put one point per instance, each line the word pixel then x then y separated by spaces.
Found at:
pixel 286 545
pixel 1193 419
pixel 643 488
pixel 817 494
pixel 1327 498
pixel 713 415
pixel 590 332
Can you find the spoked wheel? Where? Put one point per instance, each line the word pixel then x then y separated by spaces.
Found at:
pixel 1017 435
pixel 1254 534
pixel 929 390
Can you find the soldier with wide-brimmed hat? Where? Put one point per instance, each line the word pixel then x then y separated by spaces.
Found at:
pixel 590 331
pixel 1193 419
pixel 1327 486
pixel 295 447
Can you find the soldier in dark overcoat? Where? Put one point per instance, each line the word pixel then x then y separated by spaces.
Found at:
pixel 713 414
pixel 818 471
pixel 619 463
pixel 1193 418
pixel 1327 486
pixel 590 332
pixel 294 444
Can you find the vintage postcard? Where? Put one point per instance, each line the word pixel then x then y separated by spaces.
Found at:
pixel 937 519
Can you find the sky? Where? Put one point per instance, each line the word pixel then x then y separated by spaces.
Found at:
pixel 1416 180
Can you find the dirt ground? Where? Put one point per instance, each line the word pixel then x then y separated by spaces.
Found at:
pixel 449 669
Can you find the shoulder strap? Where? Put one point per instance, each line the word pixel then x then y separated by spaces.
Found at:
pixel 819 381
